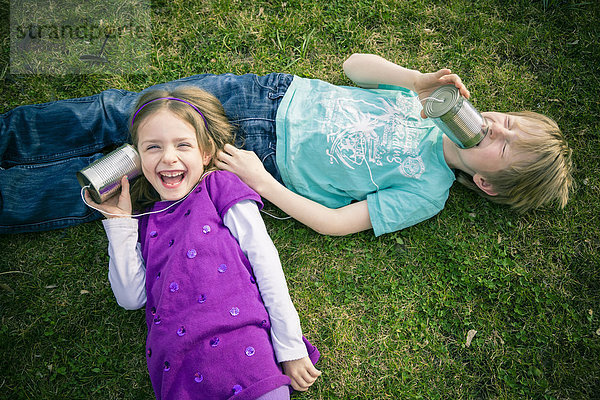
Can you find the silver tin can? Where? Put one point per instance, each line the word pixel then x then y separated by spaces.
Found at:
pixel 456 116
pixel 103 176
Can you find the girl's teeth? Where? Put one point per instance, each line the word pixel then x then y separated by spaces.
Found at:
pixel 171 178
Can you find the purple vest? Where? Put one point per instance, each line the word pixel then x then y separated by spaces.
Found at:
pixel 208 330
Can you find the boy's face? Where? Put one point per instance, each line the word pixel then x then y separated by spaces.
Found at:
pixel 497 150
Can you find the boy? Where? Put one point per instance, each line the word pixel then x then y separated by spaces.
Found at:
pixel 352 159
pixel 369 161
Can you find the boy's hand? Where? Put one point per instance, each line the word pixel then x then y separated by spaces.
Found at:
pixel 302 372
pixel 245 164
pixel 119 206
pixel 427 83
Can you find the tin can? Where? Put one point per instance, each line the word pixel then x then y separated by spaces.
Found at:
pixel 103 176
pixel 456 116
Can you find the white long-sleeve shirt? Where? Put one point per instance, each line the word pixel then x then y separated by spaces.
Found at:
pixel 127 272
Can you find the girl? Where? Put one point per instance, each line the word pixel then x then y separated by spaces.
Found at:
pixel 196 258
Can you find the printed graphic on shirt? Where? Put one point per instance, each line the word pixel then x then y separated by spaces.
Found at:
pixel 388 132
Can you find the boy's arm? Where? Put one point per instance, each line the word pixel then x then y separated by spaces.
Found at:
pixel 246 225
pixel 370 70
pixel 328 221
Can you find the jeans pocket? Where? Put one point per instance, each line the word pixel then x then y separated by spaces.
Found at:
pixel 269 160
pixel 275 83
pixel 259 136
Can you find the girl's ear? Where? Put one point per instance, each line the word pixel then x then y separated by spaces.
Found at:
pixel 206 157
pixel 484 185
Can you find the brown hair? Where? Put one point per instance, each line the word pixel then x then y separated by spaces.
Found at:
pixel 211 136
pixel 544 177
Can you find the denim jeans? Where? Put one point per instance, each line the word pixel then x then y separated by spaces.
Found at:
pixel 43 146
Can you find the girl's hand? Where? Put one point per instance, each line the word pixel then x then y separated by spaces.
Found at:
pixel 302 372
pixel 119 206
pixel 427 83
pixel 245 164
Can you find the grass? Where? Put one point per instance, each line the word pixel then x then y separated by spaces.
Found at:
pixel 390 314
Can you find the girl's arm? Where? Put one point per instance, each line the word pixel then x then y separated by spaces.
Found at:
pixel 245 223
pixel 126 268
pixel 329 221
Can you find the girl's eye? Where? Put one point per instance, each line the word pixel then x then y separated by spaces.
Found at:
pixel 152 146
pixel 185 145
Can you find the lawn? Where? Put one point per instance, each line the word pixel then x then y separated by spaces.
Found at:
pixel 390 315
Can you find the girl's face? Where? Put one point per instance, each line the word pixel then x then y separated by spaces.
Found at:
pixel 172 160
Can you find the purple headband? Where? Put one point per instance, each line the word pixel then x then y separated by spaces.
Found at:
pixel 169 98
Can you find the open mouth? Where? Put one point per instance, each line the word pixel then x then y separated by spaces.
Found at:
pixel 171 178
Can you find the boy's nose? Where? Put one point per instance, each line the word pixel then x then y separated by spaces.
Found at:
pixel 497 131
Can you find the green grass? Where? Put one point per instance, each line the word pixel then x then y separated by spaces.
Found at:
pixel 389 314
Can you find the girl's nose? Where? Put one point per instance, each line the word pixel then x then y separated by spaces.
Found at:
pixel 169 156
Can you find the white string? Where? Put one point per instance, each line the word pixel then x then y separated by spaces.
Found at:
pixel 128 215
pixel 275 217
pixel 138 215
pixel 155 212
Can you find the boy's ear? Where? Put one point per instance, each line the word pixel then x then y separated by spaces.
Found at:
pixel 484 185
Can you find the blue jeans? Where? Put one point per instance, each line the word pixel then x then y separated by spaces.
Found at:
pixel 43 146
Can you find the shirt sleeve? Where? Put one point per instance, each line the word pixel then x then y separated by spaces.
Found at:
pixel 126 267
pixel 391 210
pixel 245 223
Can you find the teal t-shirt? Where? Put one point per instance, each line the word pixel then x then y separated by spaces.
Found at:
pixel 336 144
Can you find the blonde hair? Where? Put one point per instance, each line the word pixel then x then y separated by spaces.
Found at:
pixel 543 177
pixel 212 135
